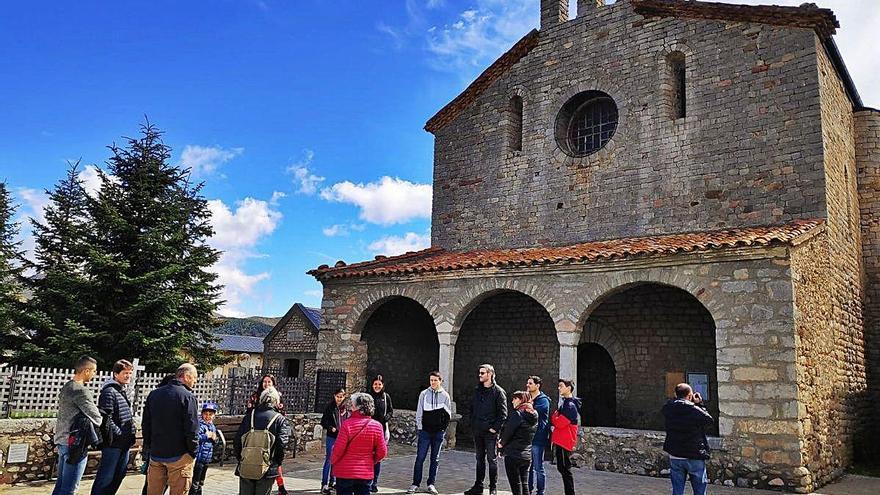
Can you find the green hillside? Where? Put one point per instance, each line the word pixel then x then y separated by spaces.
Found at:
pixel 254 326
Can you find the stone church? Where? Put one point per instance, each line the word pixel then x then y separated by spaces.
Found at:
pixel 643 193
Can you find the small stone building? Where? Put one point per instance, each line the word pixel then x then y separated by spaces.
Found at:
pixel 291 346
pixel 243 352
pixel 647 192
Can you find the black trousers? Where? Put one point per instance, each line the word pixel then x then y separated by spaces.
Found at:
pixel 517 474
pixel 486 445
pixel 563 464
pixel 198 480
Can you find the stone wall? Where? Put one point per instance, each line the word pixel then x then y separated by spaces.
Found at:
pixel 749 151
pixel 747 291
pixel 514 334
pixel 829 283
pixel 867 144
pixel 401 346
pixel 37 433
pixel 297 340
pixel 641 452
pixel 660 329
pixel 403 429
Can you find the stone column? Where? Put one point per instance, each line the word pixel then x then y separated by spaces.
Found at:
pixel 568 341
pixel 447 338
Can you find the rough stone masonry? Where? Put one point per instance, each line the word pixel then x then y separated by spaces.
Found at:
pixel 690 186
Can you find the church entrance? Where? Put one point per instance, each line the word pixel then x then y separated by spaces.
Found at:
pixel 596 386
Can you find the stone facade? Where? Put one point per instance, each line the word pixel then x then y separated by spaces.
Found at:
pixel 295 336
pixel 749 151
pixel 773 133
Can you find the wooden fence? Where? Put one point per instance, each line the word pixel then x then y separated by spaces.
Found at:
pixel 33 392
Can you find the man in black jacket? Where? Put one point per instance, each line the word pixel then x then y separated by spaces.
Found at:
pixel 114 455
pixel 488 414
pixel 171 433
pixel 262 416
pixel 686 443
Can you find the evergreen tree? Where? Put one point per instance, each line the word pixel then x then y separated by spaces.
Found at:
pixel 13 315
pixel 60 287
pixel 148 260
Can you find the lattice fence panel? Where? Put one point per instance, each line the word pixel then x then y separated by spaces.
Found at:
pixel 5 390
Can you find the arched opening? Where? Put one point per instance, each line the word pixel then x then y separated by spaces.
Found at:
pixel 402 346
pixel 597 386
pixel 665 336
pixel 515 334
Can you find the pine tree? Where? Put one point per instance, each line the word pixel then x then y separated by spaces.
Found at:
pixel 13 335
pixel 60 287
pixel 148 260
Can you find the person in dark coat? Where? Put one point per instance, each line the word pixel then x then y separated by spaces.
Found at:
pixel 686 422
pixel 114 456
pixel 145 453
pixel 516 442
pixel 263 415
pixel 488 414
pixel 331 420
pixel 382 412
pixel 266 381
pixel 171 433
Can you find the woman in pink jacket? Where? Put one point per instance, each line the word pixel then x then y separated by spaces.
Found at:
pixel 359 446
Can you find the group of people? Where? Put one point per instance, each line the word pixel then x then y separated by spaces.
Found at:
pixel 178 440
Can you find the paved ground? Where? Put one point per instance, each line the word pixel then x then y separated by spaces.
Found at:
pixel 456 472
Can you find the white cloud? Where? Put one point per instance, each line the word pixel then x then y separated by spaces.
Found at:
pixel 251 220
pixel 276 197
pixel 481 34
pixel 335 230
pixel 34 202
pixel 91 181
pixel 306 181
pixel 314 293
pixel 387 202
pixel 394 245
pixel 204 160
pixel 236 233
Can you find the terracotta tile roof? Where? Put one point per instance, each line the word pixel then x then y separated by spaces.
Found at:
pixel 448 113
pixel 808 15
pixel 439 260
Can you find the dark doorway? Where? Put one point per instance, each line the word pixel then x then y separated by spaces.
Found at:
pixel 597 386
pixel 402 346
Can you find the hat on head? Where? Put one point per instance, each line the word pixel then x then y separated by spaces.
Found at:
pixel 209 406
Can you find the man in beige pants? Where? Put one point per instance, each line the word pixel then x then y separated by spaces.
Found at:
pixel 171 433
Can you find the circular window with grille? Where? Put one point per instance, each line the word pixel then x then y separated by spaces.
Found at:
pixel 586 123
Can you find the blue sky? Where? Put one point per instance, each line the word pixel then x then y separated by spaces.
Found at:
pixel 304 118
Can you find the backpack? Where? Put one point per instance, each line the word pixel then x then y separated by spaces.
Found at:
pixel 256 450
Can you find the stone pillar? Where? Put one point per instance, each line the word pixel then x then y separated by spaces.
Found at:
pixel 568 342
pixel 447 336
pixel 553 12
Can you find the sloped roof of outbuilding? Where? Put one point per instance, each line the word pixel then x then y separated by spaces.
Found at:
pixel 240 343
pixel 434 260
pixel 313 316
pixel 808 15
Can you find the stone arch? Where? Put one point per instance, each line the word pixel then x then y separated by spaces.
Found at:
pixel 657 332
pixel 509 329
pixel 402 345
pixel 470 298
pixel 367 304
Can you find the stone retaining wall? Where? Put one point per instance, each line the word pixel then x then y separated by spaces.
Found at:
pixel 641 452
pixel 403 429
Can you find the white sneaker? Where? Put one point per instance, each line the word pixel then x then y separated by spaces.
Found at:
pixel 432 490
pixel 412 489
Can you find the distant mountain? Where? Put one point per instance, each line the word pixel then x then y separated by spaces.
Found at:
pixel 254 326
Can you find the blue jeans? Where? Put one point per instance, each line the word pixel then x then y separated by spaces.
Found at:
pixel 377 468
pixel 427 441
pixel 536 472
pixel 326 477
pixel 110 472
pixel 682 469
pixel 68 474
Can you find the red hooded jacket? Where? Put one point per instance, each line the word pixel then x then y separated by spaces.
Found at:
pixel 565 424
pixel 359 446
